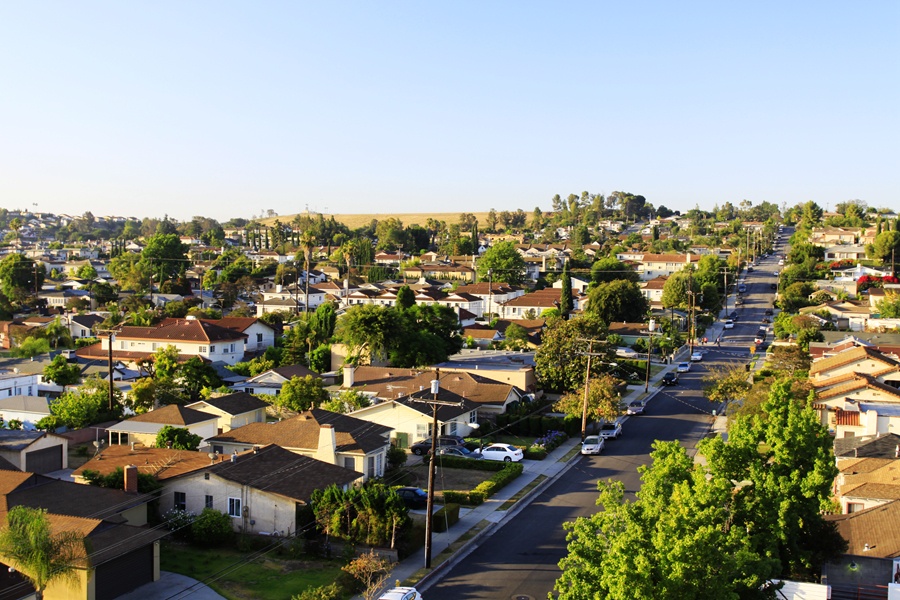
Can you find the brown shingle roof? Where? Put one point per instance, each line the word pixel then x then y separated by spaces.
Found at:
pixel 235 404
pixel 302 432
pixel 182 330
pixel 173 414
pixel 279 471
pixel 163 463
pixel 860 381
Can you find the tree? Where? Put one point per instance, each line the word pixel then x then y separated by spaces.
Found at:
pixel 405 297
pixel 565 296
pixel 371 570
pixel 617 301
pixel 724 384
pixel 346 402
pixel 83 407
pixel 604 401
pixel 887 243
pixel 789 359
pixel 611 269
pixel 142 397
pixel 194 375
pixel 41 555
pixel 368 332
pixel 515 337
pixel 165 255
pixel 31 346
pixel 504 262
pixel 20 276
pixel 60 372
pixel 177 438
pixel 675 291
pixel 86 271
pixel 301 393
pixel 889 308
pixel 560 361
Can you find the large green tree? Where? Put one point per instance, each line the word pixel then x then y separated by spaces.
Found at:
pixel 302 393
pixel 504 263
pixel 617 301
pixel 561 360
pixel 60 372
pixel 610 269
pixel 30 546
pixel 603 400
pixel 20 277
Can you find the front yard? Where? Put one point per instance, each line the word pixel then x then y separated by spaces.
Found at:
pixel 448 479
pixel 269 577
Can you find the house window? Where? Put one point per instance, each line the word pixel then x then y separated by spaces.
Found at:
pixel 208 503
pixel 349 462
pixel 212 349
pixel 121 345
pixel 379 465
pixel 370 468
pixel 853 507
pixel 452 427
pixel 180 501
pixel 422 430
pixel 153 345
pixel 258 338
pixel 232 348
pixel 234 507
pixel 473 417
pixel 202 349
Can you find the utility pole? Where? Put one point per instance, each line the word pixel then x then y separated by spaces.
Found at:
pixel 490 273
pixel 691 308
pixel 650 328
pixel 110 338
pixel 435 404
pixel 587 381
pixel 725 273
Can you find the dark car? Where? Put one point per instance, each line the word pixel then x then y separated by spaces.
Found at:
pixel 413 497
pixel 733 316
pixel 773 286
pixel 423 447
pixel 460 451
pixel 670 378
pixel 769 312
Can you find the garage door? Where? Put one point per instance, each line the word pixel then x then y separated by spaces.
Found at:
pixel 121 575
pixel 44 461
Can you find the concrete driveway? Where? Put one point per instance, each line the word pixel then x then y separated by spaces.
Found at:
pixel 172 586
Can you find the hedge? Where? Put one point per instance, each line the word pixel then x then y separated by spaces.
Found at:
pixel 485 489
pixel 446 517
pixel 458 462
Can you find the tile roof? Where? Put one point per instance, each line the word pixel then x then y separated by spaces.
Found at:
pixel 302 432
pixel 860 381
pixel 877 527
pixel 182 330
pixel 848 357
pixel 173 414
pixel 276 470
pixel 849 418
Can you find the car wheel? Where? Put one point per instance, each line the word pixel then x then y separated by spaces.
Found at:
pixel 418 451
pixel 507 459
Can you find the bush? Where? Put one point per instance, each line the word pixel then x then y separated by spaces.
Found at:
pixel 332 591
pixel 535 453
pixel 454 497
pixel 179 522
pixel 499 480
pixel 211 528
pixel 446 517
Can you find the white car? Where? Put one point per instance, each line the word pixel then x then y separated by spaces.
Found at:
pixel 401 593
pixel 626 353
pixel 503 452
pixel 611 430
pixel 729 324
pixel 592 444
pixel 697 356
pixel 683 367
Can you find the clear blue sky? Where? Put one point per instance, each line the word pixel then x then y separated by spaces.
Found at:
pixel 224 108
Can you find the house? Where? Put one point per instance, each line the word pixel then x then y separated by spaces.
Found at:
pixel 825 236
pixel 270 382
pixel 653 289
pixel 234 410
pixel 651 266
pixel 261 489
pixel 873 547
pixel 534 304
pixel 143 428
pixel 412 421
pixel 579 286
pixel 34 451
pixel 260 335
pixel 502 366
pixel 191 337
pixel 17 383
pixel 330 437
pixel 866 482
pixel 28 410
pixel 846 314
pixel 482 336
pixel 843 252
pixel 113 523
pixel 853 360
pixel 492 294
pixel 82 326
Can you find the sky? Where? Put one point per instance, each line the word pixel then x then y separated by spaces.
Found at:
pixel 227 109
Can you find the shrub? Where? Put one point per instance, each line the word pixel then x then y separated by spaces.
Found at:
pixel 535 453
pixel 332 591
pixel 499 480
pixel 211 528
pixel 179 522
pixel 446 517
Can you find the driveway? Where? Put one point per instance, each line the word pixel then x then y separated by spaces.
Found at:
pixel 172 586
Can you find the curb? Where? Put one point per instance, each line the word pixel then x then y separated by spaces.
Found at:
pixel 435 575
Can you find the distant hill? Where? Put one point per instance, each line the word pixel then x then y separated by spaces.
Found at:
pixel 356 221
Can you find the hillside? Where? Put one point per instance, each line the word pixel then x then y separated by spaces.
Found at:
pixel 356 221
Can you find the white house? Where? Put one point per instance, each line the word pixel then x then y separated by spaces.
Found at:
pixel 15 383
pixel 34 451
pixel 143 428
pixel 28 410
pixel 234 410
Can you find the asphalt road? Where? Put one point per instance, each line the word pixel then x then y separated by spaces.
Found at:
pixel 520 560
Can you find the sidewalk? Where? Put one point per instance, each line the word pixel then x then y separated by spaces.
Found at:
pixel 477 523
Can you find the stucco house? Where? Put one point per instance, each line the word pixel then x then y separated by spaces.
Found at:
pixel 330 437
pixel 143 429
pixel 34 451
pixel 26 409
pixel 234 410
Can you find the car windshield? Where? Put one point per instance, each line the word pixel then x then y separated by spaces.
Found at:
pixel 591 439
pixel 609 426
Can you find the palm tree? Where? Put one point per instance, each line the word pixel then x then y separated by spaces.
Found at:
pixel 29 546
pixel 307 242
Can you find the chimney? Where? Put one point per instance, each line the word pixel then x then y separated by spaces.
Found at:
pixel 349 372
pixel 131 479
pixel 327 450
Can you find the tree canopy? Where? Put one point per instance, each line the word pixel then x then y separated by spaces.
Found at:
pixel 504 262
pixel 561 361
pixel 617 301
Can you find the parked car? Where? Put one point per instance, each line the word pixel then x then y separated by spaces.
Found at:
pixel 780 264
pixel 592 444
pixel 773 286
pixel 760 336
pixel 733 316
pixel 739 301
pixel 749 269
pixel 670 378
pixel 401 593
pixel 769 312
pixel 460 451
pixel 683 367
pixel 424 447
pixel 413 497
pixel 766 319
pixel 729 324
pixel 636 408
pixel 697 356
pixel 503 452
pixel 611 430
pixel 627 353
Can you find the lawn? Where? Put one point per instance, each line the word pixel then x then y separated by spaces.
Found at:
pixel 267 578
pixel 448 479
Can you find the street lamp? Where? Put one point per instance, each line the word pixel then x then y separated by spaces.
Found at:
pixel 651 327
